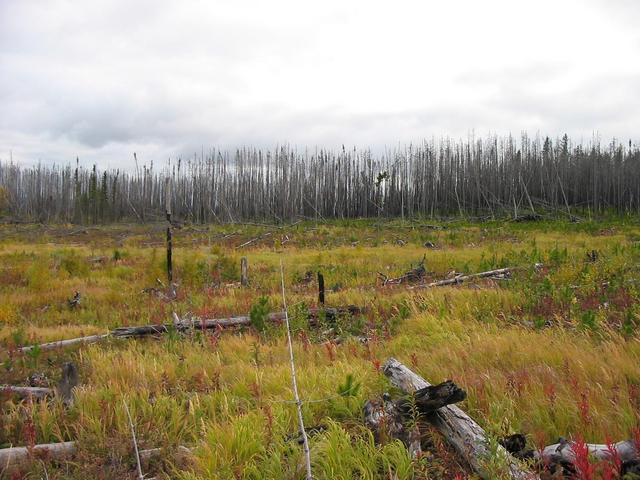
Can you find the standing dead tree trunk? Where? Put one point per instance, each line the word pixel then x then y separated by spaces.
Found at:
pixel 244 271
pixel 169 235
pixel 460 430
pixel 320 288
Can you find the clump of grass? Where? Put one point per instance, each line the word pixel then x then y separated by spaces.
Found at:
pixel 69 262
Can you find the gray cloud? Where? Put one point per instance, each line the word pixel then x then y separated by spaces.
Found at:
pixel 102 79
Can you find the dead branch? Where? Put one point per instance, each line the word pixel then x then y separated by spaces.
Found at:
pixel 253 240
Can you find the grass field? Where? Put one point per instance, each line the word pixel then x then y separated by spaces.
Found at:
pixel 554 351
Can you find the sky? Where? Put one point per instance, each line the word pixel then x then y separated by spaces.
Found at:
pixel 100 80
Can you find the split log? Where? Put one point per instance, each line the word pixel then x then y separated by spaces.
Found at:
pixel 460 430
pixel 20 458
pixel 26 392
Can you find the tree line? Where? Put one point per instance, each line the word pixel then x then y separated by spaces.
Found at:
pixel 474 177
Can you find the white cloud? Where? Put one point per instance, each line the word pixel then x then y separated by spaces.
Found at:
pixel 103 79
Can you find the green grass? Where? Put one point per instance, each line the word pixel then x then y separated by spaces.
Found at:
pixel 551 353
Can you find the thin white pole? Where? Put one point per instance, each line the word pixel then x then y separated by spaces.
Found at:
pixel 305 440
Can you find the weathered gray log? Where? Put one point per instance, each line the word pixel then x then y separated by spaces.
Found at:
pixel 329 313
pixel 26 392
pixel 197 323
pixel 249 242
pixel 19 458
pixel 460 430
pixel 463 278
pixel 563 452
pixel 64 343
pixel 16 458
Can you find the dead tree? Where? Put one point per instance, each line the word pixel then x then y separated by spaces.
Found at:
pixel 460 430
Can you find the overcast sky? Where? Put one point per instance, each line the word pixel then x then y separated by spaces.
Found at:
pixel 102 79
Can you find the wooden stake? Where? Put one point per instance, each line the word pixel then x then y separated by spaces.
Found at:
pixel 167 203
pixel 244 272
pixel 169 256
pixel 320 288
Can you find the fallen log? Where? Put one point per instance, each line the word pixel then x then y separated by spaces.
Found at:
pixel 64 343
pixel 19 458
pixel 564 452
pixel 561 457
pixel 249 242
pixel 501 273
pixel 463 278
pixel 26 392
pixel 460 430
pixel 330 313
pixel 242 320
